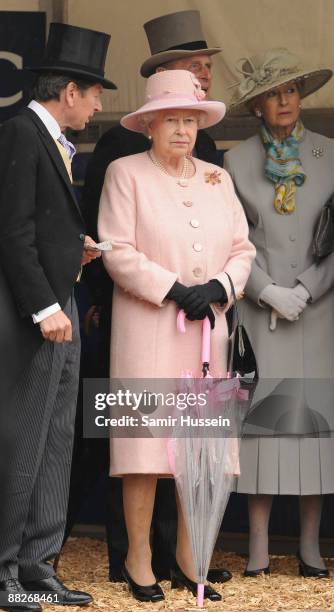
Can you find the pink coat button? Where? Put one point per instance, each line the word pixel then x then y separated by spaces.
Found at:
pixel 194 223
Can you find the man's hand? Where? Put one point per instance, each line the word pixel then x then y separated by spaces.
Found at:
pixel 89 252
pixel 57 327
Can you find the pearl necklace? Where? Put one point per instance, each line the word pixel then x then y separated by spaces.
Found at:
pixel 182 179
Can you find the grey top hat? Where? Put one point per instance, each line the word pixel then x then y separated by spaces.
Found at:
pixel 172 37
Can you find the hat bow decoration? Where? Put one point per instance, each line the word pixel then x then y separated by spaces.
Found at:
pixel 198 91
pixel 271 70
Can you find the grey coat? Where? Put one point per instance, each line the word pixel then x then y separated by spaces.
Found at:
pixel 302 349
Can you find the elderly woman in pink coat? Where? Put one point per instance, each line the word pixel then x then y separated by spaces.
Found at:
pixel 177 228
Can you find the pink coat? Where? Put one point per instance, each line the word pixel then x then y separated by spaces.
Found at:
pixel 162 232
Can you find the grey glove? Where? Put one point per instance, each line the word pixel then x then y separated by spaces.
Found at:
pixel 287 303
pixel 302 292
pixel 298 290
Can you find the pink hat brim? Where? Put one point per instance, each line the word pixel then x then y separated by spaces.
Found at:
pixel 214 112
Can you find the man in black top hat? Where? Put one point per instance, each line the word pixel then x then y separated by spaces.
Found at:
pixel 42 247
pixel 176 42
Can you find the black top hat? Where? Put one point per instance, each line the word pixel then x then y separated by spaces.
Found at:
pixel 76 51
pixel 172 37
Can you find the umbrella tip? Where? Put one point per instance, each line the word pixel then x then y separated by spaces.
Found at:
pixel 205 369
pixel 200 595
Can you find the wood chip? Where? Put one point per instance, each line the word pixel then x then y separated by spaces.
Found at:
pixel 84 566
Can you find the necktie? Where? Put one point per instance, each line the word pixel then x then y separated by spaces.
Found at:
pixel 68 146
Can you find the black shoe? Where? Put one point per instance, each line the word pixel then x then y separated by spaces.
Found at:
pixel 311 572
pixel 161 572
pixel 115 574
pixel 63 595
pixel 11 586
pixel 178 578
pixel 152 592
pixel 219 575
pixel 256 572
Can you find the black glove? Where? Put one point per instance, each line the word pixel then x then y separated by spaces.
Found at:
pixel 197 303
pixel 213 291
pixel 177 293
pixel 200 316
pixel 196 307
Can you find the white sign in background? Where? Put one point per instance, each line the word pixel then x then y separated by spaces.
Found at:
pixel 17 60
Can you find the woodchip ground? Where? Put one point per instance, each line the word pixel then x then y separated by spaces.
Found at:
pixel 84 565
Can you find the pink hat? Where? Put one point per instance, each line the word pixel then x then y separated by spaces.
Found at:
pixel 174 89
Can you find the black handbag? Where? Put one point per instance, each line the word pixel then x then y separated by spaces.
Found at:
pixel 323 240
pixel 241 360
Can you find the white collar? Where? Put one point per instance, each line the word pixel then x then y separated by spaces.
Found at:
pixel 49 121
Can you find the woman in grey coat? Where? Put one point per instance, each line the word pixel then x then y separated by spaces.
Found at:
pixel 283 176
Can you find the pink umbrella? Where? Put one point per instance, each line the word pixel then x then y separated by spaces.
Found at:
pixel 204 467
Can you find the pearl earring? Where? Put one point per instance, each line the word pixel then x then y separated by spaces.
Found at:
pixel 258 113
pixel 149 137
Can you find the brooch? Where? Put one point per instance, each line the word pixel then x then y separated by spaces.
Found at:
pixel 317 152
pixel 212 177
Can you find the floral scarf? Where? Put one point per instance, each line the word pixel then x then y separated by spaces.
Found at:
pixel 283 167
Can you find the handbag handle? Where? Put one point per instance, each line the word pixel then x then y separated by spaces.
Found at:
pixel 236 318
pixel 235 324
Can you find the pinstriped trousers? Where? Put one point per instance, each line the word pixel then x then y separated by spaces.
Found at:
pixel 36 437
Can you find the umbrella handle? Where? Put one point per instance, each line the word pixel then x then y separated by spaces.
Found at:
pixel 181 322
pixel 206 340
pixel 206 334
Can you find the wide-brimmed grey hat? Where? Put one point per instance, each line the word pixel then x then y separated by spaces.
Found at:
pixel 272 69
pixel 172 37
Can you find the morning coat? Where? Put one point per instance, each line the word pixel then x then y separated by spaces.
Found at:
pixel 41 239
